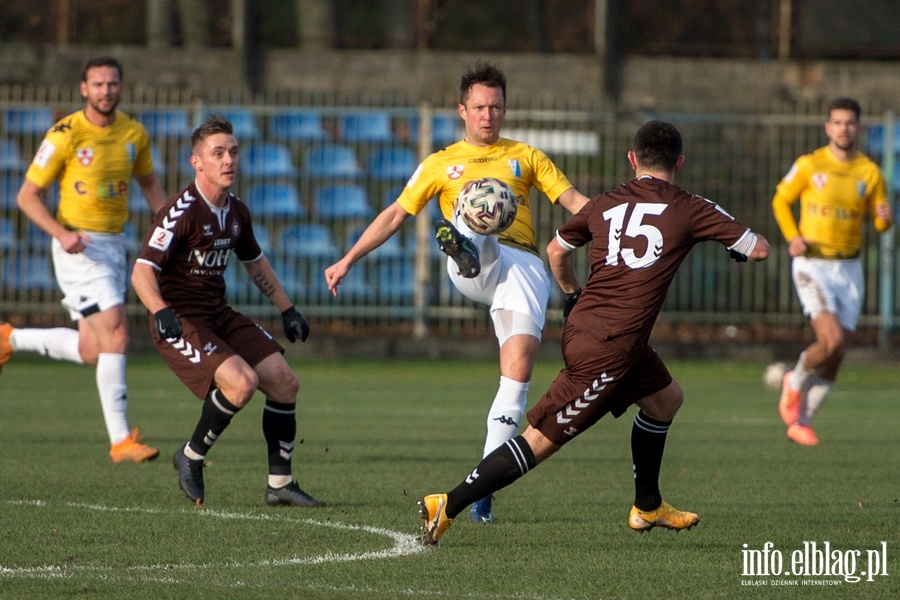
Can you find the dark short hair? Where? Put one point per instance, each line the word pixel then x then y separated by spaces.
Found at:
pixel 845 104
pixel 101 61
pixel 212 125
pixel 657 145
pixel 485 74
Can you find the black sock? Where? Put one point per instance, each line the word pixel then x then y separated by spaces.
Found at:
pixel 497 470
pixel 279 423
pixel 648 440
pixel 214 418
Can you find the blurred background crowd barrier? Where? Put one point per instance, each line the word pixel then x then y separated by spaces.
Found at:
pixel 316 169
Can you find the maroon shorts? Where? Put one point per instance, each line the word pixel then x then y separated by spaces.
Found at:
pixel 599 377
pixel 208 341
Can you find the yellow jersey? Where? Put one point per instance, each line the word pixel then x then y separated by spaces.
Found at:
pixel 94 166
pixel 835 196
pixel 444 173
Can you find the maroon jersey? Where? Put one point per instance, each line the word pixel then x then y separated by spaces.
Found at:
pixel 189 244
pixel 641 232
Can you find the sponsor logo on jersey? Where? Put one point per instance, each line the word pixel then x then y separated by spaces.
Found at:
pixel 455 171
pixel 61 127
pixel 515 167
pixel 44 153
pixel 483 159
pixel 85 156
pixel 207 230
pixel 211 259
pixel 105 189
pixel 160 239
pixel 221 242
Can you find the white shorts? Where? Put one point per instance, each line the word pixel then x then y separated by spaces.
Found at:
pixel 94 280
pixel 830 285
pixel 510 280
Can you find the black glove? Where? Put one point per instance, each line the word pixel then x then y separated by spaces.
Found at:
pixel 569 301
pixel 295 325
pixel 167 324
pixel 737 256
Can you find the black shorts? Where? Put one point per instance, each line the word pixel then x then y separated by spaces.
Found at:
pixel 600 377
pixel 207 342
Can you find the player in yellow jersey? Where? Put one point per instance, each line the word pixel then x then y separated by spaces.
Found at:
pixel 93 153
pixel 506 273
pixel 837 187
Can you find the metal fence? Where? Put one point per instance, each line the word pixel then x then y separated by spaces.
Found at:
pixel 317 167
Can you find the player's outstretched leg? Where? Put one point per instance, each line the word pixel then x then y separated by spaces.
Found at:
pixel 665 516
pixel 789 403
pixel 458 247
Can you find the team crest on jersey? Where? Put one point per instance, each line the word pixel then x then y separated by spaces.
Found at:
pixel 455 171
pixel 515 167
pixel 236 228
pixel 819 180
pixel 85 156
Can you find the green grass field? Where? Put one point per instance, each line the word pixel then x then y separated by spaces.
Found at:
pixel 378 435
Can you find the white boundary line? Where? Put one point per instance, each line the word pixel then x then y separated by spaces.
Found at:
pixel 404 544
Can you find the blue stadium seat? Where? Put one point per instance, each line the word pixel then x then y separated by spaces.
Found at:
pixel 137 204
pixel 36 239
pixel 874 144
pixel 10 157
pixel 262 237
pixel 342 201
pixel 28 272
pixel 365 127
pixel 391 163
pixel 445 129
pixel 27 121
pixel 307 241
pixel 166 123
pixel 332 160
pixel 389 250
pixel 275 200
pixel 297 126
pixel 396 280
pixel 267 159
pixel 8 240
pixel 242 121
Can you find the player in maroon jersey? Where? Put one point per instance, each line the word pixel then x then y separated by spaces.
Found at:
pixel 221 356
pixel 639 235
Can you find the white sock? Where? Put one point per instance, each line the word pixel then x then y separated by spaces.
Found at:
pixel 801 373
pixel 279 481
pixel 815 397
pixel 60 343
pixel 506 413
pixel 112 388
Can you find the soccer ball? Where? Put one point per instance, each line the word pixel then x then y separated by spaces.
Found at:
pixel 773 376
pixel 487 206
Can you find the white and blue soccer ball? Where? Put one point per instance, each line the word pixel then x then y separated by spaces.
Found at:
pixel 488 206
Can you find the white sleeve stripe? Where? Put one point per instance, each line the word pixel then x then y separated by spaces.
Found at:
pixel 144 261
pixel 566 245
pixel 745 243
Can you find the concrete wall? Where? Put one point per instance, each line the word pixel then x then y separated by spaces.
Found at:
pixel 704 84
